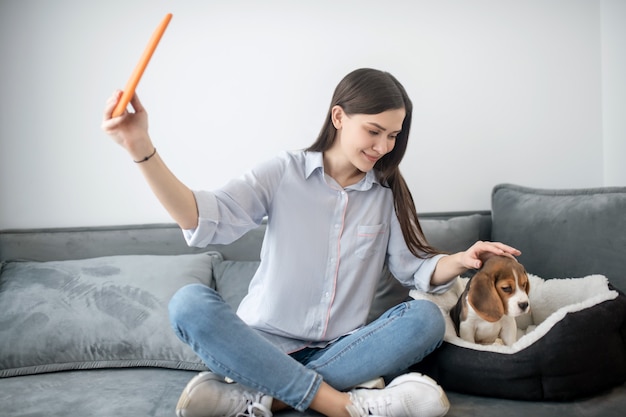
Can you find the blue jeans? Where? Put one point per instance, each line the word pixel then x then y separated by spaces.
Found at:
pixel 402 336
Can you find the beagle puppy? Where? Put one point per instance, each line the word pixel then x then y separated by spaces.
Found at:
pixel 492 299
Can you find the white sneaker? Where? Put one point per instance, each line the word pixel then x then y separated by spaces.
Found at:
pixel 410 395
pixel 209 395
pixel 377 383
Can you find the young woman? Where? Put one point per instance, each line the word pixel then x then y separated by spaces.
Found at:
pixel 336 213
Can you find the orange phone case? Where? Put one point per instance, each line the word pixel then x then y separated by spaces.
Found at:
pixel 129 91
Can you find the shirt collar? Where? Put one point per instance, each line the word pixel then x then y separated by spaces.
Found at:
pixel 314 161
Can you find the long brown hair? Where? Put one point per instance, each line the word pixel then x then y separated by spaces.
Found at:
pixel 370 91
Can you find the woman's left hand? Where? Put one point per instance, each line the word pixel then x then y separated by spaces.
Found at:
pixel 480 251
pixel 449 267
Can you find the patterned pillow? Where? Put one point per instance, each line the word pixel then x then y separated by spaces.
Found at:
pixel 95 313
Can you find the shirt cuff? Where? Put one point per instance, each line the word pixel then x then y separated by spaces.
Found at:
pixel 208 215
pixel 424 274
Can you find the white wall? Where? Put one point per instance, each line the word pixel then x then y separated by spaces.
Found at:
pixel 614 90
pixel 504 91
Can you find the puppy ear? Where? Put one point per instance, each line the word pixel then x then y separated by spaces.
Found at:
pixel 484 298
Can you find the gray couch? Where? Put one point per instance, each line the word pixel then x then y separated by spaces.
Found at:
pixel 84 328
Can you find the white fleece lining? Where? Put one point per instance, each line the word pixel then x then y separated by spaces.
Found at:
pixel 550 301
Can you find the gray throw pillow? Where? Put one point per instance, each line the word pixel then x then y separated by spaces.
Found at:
pixel 232 279
pixel 564 233
pixel 452 235
pixel 103 312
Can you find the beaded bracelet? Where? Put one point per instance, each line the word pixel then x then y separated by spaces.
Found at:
pixel 146 158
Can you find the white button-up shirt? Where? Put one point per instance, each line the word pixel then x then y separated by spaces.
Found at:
pixel 323 251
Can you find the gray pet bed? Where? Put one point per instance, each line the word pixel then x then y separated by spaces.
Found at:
pixel 571 345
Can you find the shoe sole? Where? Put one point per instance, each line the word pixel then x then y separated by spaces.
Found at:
pixel 185 396
pixel 445 403
pixel 378 383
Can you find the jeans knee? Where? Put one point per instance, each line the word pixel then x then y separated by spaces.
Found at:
pixel 430 320
pixel 184 304
pixel 439 322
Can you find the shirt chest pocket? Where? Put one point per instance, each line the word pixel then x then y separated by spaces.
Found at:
pixel 369 240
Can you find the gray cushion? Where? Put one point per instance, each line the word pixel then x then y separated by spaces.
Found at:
pixel 95 313
pixel 232 279
pixel 564 233
pixel 452 235
pixel 120 392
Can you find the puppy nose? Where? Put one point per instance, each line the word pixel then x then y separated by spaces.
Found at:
pixel 523 306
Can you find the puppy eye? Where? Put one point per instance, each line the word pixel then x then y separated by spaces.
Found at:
pixel 507 290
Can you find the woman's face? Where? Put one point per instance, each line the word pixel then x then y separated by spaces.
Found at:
pixel 362 139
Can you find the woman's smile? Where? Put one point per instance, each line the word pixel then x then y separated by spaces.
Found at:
pixel 371 158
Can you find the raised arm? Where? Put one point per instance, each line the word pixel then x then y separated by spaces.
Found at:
pixel 130 130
